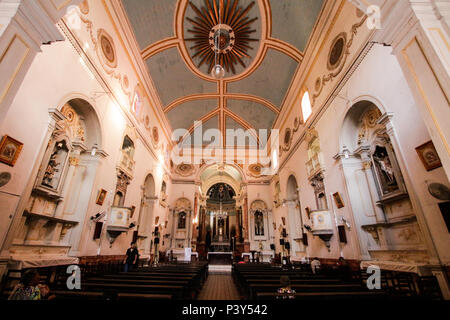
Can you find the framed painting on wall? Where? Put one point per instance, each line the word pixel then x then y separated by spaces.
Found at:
pixel 338 199
pixel 101 197
pixel 10 150
pixel 429 156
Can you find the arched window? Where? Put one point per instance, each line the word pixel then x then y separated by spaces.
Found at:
pixel 275 160
pixel 306 107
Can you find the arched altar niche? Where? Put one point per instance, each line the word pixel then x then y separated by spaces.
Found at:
pixel 221 212
pixel 146 226
pixel 57 206
pixel 383 211
pixel 182 224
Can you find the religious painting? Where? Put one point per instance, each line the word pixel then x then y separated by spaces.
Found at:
pixel 338 200
pixel 101 197
pixel 259 223
pixel 429 156
pixel 55 166
pixel 10 150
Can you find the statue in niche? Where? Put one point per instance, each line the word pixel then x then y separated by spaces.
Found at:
pixel 128 147
pixel 55 165
pixel 259 223
pixel 182 220
pixel 221 226
pixel 384 170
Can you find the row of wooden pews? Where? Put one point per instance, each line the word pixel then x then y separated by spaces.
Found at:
pixel 261 282
pixel 181 281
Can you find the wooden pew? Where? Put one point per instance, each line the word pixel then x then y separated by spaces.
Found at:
pixel 142 296
pixel 257 288
pixel 320 296
pixel 178 292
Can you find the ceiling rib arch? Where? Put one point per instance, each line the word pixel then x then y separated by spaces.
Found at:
pixel 204 96
pixel 176 90
pixel 159 46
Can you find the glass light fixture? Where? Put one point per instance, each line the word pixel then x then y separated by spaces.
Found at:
pixel 218 72
pixel 94 149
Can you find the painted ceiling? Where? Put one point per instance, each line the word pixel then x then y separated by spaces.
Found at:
pixel 260 44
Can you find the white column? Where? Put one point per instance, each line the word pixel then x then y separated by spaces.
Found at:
pixel 418 31
pixel 24 26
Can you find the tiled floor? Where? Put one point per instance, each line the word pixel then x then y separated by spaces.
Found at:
pixel 219 287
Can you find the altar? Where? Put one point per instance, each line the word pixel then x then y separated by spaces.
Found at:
pixel 220 258
pixel 182 254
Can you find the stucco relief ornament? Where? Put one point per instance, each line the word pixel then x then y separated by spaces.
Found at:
pixel 107 49
pixel 185 169
pixel 407 234
pixel 84 7
pixel 155 135
pixel 255 170
pixel 221 35
pixel 317 183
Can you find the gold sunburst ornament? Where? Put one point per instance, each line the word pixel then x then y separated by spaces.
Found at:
pixel 221 35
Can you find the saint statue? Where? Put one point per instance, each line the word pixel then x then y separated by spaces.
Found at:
pixel 259 223
pixel 385 166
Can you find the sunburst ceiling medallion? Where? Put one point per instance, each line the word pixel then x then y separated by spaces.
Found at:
pixel 221 33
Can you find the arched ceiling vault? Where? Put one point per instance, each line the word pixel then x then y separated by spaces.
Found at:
pixel 261 44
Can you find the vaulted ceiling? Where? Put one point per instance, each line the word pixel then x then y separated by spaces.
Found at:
pixel 260 44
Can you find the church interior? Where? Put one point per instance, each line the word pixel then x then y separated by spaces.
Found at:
pixel 224 149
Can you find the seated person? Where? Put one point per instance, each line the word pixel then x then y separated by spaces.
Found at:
pixel 29 288
pixel 315 265
pixel 285 292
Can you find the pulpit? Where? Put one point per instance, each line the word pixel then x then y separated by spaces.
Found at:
pixel 266 256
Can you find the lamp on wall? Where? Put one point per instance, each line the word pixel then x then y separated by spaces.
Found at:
pixel 347 224
pixel 94 149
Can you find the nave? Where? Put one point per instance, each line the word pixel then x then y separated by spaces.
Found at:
pixel 194 150
pixel 247 281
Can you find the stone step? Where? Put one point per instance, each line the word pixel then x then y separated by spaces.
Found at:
pixel 219 268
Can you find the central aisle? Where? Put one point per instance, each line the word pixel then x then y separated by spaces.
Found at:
pixel 219 286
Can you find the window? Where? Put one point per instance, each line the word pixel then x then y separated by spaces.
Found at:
pixel 306 107
pixel 275 160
